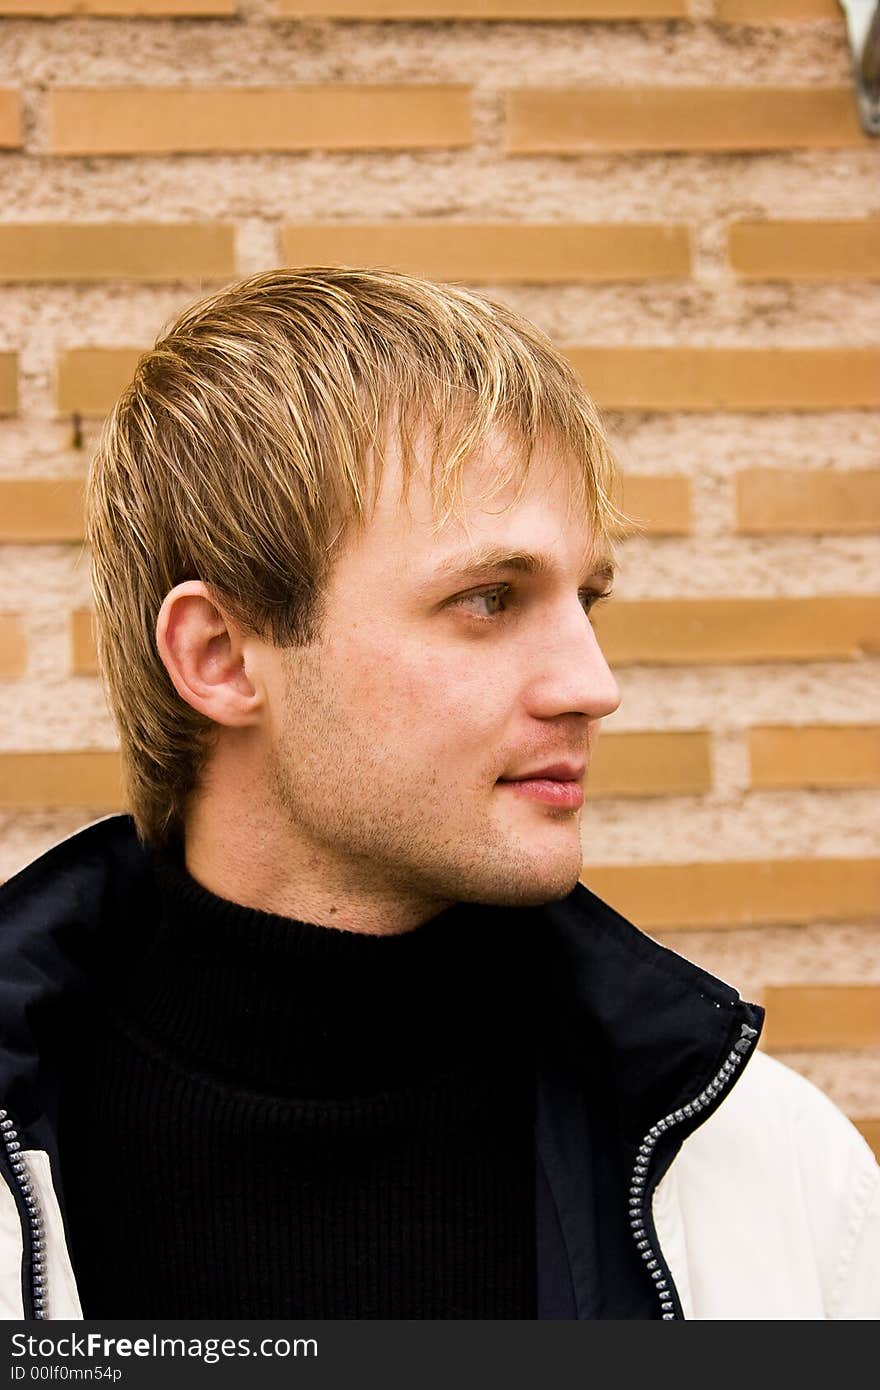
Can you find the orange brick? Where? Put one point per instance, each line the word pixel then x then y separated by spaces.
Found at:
pixel 30 780
pixel 667 897
pixel 10 119
pixel 484 9
pixel 651 764
pixel 559 120
pixel 772 501
pixel 805 250
pixel 870 1130
pixel 44 509
pixel 659 505
pixel 8 383
pixel 145 120
pixel 821 1016
pixel 127 8
pixel 84 656
pixel 772 11
pixel 703 378
pixel 12 646
pixel 839 755
pixel 150 251
pixel 692 379
pixel 91 379
pixel 497 253
pixel 713 631
pixel 41 509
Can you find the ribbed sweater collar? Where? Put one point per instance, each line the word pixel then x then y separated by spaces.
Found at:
pixel 291 1008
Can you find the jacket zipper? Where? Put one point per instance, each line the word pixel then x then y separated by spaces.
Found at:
pixel 35 1235
pixel 639 1219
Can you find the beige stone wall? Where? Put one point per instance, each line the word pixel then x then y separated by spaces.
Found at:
pixel 679 192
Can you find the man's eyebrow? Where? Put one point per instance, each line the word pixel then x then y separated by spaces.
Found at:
pixel 465 566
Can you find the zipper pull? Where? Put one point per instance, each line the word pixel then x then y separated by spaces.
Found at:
pixel 745 1042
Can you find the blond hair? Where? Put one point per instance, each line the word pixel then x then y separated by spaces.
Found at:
pixel 250 441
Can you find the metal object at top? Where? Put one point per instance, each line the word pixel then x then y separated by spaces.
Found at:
pixel 863 28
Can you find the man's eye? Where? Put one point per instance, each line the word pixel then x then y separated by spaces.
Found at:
pixel 493 602
pixel 592 597
pixel 490 598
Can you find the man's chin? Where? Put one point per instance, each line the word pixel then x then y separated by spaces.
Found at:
pixel 536 894
pixel 528 881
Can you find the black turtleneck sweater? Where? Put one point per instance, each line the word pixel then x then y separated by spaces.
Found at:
pixel 275 1119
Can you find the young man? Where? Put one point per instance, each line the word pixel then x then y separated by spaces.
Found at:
pixel 329 1028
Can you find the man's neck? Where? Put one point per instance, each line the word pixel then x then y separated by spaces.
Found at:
pixel 258 864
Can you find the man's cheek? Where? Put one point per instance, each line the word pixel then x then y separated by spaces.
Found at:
pixel 411 685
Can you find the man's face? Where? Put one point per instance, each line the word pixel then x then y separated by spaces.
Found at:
pixel 394 737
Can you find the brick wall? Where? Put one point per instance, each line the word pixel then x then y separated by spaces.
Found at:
pixel 680 193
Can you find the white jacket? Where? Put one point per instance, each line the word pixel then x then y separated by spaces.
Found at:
pixel 768 1208
pixel 771 1210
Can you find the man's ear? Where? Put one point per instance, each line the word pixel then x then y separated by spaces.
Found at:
pixel 204 652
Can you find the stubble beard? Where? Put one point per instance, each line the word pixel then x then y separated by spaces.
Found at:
pixel 335 796
pixel 402 856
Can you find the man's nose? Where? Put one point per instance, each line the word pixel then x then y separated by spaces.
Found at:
pixel 573 676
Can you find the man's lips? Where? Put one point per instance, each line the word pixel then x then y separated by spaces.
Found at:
pixel 556 785
pixel 551 772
